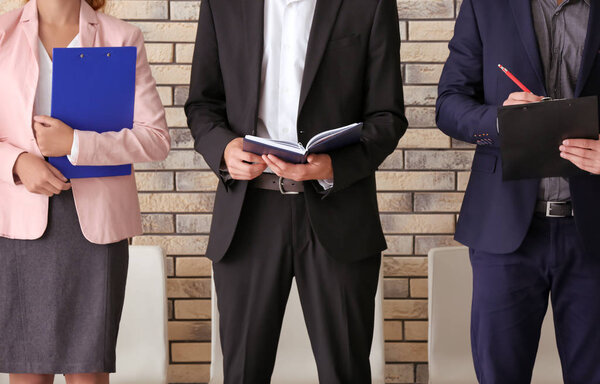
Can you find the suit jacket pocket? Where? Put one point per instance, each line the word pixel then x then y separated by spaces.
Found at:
pixel 483 162
pixel 345 41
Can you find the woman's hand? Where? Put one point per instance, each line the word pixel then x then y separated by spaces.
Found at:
pixel 584 153
pixel 54 138
pixel 39 176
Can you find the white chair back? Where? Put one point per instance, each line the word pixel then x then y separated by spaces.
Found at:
pixel 143 347
pixel 450 293
pixel 295 363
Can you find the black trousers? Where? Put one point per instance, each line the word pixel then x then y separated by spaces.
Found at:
pixel 273 243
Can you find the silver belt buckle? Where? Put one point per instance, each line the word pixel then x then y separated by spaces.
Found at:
pixel 548 209
pixel 283 192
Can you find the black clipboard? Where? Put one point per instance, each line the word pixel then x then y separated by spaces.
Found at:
pixel 530 135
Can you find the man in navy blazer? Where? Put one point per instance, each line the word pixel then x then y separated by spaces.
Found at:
pixel 528 239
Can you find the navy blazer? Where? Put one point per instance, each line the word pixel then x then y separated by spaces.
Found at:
pixel 496 215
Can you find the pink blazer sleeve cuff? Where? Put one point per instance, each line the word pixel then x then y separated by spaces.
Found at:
pixel 8 158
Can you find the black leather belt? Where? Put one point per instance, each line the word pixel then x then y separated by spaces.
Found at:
pixel 273 182
pixel 554 208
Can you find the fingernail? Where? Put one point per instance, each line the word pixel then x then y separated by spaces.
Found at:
pixel 566 142
pixel 562 148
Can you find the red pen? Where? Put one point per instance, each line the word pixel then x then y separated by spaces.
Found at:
pixel 514 79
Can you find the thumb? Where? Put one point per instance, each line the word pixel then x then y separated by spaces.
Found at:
pixel 313 159
pixel 37 127
pixel 45 120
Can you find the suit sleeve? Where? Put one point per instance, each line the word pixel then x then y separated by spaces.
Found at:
pixel 460 110
pixel 8 158
pixel 384 119
pixel 205 108
pixel 148 140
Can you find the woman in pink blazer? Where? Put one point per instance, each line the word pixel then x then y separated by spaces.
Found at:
pixel 63 244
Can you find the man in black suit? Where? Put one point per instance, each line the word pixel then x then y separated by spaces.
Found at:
pixel 290 69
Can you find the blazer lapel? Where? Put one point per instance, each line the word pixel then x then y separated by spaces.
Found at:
pixel 253 19
pixel 592 44
pixel 323 22
pixel 29 21
pixel 524 21
pixel 30 27
pixel 88 25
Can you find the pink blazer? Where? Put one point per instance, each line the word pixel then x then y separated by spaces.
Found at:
pixel 108 208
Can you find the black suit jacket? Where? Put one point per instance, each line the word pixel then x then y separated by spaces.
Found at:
pixel 352 74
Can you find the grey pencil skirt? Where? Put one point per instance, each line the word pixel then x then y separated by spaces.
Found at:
pixel 61 298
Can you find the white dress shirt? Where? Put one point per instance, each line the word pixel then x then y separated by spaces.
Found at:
pixel 286 32
pixel 43 96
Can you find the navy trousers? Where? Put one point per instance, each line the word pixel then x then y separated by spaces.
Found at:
pixel 510 298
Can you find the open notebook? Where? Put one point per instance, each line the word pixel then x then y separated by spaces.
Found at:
pixel 296 153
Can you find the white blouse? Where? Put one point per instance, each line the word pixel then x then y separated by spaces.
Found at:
pixel 43 96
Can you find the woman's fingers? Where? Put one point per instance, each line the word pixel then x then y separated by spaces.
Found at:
pixel 45 120
pixel 56 172
pixel 56 179
pixel 45 189
pixel 54 185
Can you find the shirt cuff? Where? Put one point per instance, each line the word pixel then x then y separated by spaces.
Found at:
pixel 327 184
pixel 74 149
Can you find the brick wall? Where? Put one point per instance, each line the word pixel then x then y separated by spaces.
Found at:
pixel 420 186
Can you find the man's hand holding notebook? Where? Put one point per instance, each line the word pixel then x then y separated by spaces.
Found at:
pixel 296 153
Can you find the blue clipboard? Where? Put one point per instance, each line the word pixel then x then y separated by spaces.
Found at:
pixel 93 89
